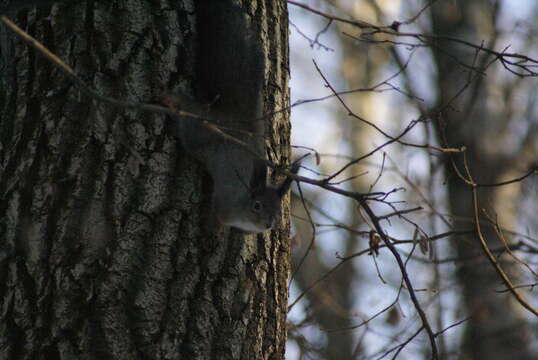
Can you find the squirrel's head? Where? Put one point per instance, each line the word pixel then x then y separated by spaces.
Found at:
pixel 261 210
pixel 259 213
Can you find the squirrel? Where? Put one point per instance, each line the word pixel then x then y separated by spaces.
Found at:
pixel 230 76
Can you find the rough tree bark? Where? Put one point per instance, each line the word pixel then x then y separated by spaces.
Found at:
pixel 101 246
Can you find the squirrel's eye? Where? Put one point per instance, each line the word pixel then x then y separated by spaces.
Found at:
pixel 257 206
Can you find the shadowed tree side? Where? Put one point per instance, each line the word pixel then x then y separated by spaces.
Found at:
pixel 103 252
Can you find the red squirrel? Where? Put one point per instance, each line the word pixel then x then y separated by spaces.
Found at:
pixel 230 74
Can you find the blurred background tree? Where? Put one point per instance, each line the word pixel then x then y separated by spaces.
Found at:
pixel 478 123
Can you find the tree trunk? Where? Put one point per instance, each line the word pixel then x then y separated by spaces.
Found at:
pixel 496 328
pixel 102 250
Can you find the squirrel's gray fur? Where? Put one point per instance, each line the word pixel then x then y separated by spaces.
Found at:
pixel 230 77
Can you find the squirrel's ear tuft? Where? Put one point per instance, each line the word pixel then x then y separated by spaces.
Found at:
pixel 285 186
